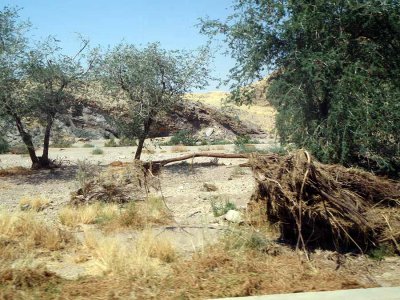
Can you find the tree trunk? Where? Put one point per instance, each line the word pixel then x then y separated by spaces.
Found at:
pixel 27 139
pixel 142 138
pixel 44 160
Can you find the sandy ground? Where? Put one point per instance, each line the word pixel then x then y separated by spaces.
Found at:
pixel 182 185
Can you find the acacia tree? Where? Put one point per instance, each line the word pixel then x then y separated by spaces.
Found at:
pixel 336 84
pixel 13 45
pixel 35 83
pixel 152 80
pixel 53 80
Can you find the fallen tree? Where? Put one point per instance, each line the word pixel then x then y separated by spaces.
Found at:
pixel 327 206
pixel 155 165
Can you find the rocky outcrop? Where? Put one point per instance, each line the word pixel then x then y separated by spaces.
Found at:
pixel 91 121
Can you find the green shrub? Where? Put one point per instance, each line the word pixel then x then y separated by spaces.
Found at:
pixel 182 137
pixel 380 252
pixel 97 151
pixel 127 142
pixel 19 149
pixel 88 146
pixel 277 150
pixel 220 142
pixel 123 142
pixel 336 85
pixel 220 208
pixel 4 146
pixel 111 143
pixel 61 142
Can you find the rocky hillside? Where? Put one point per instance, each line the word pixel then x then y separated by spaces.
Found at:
pixel 91 120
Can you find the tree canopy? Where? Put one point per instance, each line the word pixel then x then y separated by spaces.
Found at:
pixel 152 79
pixel 35 81
pixel 336 79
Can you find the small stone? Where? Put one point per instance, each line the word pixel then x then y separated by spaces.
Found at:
pixel 26 207
pixel 209 187
pixel 209 131
pixel 233 216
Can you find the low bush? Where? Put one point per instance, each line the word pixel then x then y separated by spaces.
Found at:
pixel 61 142
pixel 97 151
pixel 4 146
pixel 19 149
pixel 88 146
pixel 111 143
pixel 182 137
pixel 220 207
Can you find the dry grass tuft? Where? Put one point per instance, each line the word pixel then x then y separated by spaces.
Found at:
pixel 21 233
pixel 219 272
pixel 88 214
pixel 33 203
pixel 15 171
pixel 179 148
pixel 140 215
pixel 218 147
pixel 142 257
pixel 112 217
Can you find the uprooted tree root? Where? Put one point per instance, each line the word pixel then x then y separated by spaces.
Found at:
pixel 327 206
pixel 120 183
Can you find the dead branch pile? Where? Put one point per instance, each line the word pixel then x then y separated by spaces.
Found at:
pixel 117 184
pixel 327 206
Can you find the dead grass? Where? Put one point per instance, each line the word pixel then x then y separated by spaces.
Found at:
pixel 142 257
pixel 88 214
pixel 204 148
pixel 37 203
pixel 218 147
pixel 141 215
pixel 215 272
pixel 149 151
pixel 22 233
pixel 179 148
pixel 112 217
pixel 15 171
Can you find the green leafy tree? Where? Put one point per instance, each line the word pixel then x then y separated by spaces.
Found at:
pixel 336 79
pixel 35 84
pixel 13 45
pixel 151 80
pixel 53 80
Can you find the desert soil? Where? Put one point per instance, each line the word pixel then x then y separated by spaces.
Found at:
pixel 182 185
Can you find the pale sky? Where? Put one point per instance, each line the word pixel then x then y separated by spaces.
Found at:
pixel 107 22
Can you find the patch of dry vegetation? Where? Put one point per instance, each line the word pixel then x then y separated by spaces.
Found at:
pixel 37 203
pixel 15 171
pixel 142 257
pixel 22 233
pixel 88 214
pixel 135 215
pixel 179 148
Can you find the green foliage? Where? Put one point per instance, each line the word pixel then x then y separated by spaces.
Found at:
pixel 97 151
pixel 277 150
pixel 111 143
pixel 124 142
pixel 243 144
pixel 152 80
pixel 19 149
pixel 127 142
pixel 60 141
pixel 88 146
pixel 37 81
pixel 4 146
pixel 381 252
pixel 182 137
pixel 336 84
pixel 220 207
